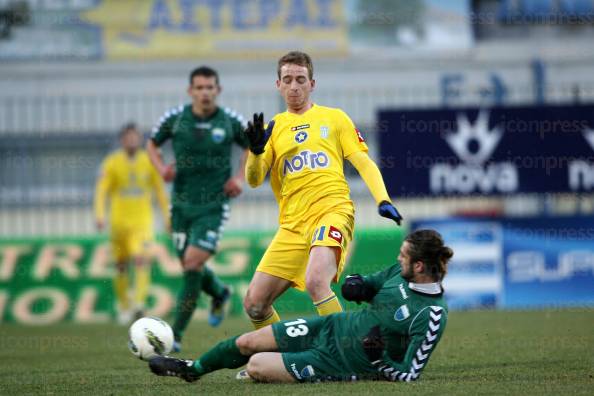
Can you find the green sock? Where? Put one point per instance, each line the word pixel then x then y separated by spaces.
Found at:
pixel 211 284
pixel 224 355
pixel 186 302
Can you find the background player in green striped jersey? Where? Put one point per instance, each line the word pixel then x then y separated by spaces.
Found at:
pixel 393 337
pixel 202 135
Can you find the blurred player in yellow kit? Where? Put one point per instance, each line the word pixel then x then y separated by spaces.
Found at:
pixel 304 148
pixel 129 181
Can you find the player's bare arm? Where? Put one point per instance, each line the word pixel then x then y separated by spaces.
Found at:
pixel 234 186
pixel 167 171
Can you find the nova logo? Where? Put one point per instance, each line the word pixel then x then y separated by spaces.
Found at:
pixel 581 172
pixel 306 159
pixel 474 144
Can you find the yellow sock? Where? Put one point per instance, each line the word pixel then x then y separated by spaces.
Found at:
pixel 270 319
pixel 328 305
pixel 142 282
pixel 120 286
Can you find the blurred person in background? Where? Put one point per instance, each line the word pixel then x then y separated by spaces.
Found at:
pixel 128 180
pixel 304 149
pixel 203 135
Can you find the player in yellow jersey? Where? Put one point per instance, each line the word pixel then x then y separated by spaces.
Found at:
pixel 304 148
pixel 129 181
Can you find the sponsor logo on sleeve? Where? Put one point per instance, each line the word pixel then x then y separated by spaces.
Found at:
pixel 295 371
pixel 335 234
pixel 402 291
pixel 359 136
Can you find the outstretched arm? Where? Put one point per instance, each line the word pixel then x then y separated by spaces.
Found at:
pixel 372 177
pixel 370 174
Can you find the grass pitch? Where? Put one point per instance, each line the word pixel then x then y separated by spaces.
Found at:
pixel 541 352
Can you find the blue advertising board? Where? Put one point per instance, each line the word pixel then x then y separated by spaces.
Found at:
pixel 500 150
pixel 475 272
pixel 518 263
pixel 548 262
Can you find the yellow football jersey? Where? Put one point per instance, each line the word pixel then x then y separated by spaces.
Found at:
pixel 305 153
pixel 129 183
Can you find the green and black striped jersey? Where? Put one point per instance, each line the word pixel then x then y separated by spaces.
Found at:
pixel 202 150
pixel 412 318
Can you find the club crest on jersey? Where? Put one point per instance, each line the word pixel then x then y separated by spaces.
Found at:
pixel 335 234
pixel 359 136
pixel 301 137
pixel 324 132
pixel 306 159
pixel 401 313
pixel 218 135
pixel 299 127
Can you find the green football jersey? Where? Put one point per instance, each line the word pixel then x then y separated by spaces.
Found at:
pixel 412 318
pixel 202 150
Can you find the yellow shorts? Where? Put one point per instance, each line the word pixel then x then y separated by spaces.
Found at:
pixel 129 241
pixel 288 253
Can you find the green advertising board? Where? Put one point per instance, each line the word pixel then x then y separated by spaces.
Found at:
pixel 45 281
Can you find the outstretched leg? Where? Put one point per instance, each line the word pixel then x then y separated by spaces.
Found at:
pixel 231 353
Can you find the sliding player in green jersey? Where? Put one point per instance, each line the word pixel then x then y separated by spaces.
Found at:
pixel 393 337
pixel 202 135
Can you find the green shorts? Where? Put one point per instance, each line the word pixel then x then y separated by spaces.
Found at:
pixel 309 351
pixel 203 231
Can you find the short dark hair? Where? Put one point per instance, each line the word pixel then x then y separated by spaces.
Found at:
pixel 204 71
pixel 428 246
pixel 296 58
pixel 127 128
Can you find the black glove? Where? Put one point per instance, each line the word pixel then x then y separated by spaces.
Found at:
pixel 373 344
pixel 256 135
pixel 389 211
pixel 355 289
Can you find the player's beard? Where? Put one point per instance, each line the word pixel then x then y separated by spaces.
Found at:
pixel 407 273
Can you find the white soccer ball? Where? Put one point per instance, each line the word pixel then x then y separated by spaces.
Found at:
pixel 149 337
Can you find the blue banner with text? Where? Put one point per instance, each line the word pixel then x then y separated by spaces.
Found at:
pixel 494 151
pixel 518 263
